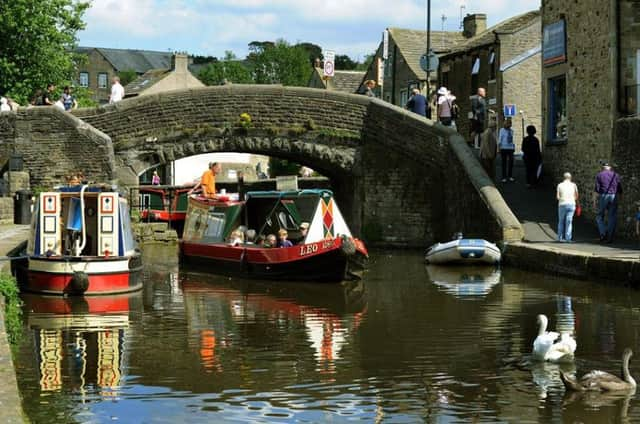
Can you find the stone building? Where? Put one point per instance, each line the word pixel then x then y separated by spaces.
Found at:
pixel 399 72
pixel 155 81
pixel 102 64
pixel 590 88
pixel 344 81
pixel 505 60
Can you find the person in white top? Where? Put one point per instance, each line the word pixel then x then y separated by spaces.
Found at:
pixel 4 105
pixel 117 90
pixel 567 195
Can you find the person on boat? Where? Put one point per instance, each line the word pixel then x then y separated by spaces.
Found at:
pixel 270 241
pixel 155 180
pixel 208 181
pixel 284 242
pixel 236 238
pixel 250 237
pixel 304 229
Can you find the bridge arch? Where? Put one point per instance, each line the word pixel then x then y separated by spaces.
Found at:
pixel 401 179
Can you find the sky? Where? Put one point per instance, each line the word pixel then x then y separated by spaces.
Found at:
pixel 211 27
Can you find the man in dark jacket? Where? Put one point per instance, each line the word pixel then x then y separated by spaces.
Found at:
pixel 417 103
pixel 531 155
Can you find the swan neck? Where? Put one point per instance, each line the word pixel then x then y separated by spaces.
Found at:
pixel 625 371
pixel 543 325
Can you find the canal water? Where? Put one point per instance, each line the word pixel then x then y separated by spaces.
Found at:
pixel 410 343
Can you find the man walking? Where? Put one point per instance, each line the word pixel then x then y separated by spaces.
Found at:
pixel 478 116
pixel 417 103
pixel 607 191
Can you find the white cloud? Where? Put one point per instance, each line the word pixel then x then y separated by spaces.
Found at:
pixel 213 26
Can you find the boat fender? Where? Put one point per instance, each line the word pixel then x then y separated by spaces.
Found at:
pixel 79 282
pixel 348 247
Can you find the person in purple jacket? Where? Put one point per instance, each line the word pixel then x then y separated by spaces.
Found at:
pixel 606 194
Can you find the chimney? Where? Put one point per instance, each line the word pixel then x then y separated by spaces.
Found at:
pixel 179 63
pixel 474 24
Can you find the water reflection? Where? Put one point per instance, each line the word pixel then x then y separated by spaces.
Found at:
pixel 80 342
pixel 218 309
pixel 546 376
pixel 467 282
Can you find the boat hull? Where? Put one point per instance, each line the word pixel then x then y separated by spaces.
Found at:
pixel 464 251
pixel 325 261
pixel 80 275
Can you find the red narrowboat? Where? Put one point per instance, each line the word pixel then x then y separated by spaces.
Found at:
pixel 163 203
pixel 319 245
pixel 81 243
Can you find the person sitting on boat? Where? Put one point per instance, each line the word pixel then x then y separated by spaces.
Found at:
pixel 270 241
pixel 208 181
pixel 304 229
pixel 250 237
pixel 50 252
pixel 236 238
pixel 284 242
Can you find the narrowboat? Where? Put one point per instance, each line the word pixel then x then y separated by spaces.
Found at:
pixel 322 247
pixel 464 251
pixel 163 203
pixel 81 243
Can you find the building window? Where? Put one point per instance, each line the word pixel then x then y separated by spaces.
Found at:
pixel 403 97
pixel 557 108
pixel 629 78
pixel 475 71
pixel 492 65
pixel 84 79
pixel 102 80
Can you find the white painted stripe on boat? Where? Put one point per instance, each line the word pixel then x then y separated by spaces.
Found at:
pixel 63 267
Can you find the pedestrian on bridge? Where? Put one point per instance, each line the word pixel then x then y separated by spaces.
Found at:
pixel 489 148
pixel 417 103
pixel 531 155
pixel 567 196
pixel 606 194
pixel 507 148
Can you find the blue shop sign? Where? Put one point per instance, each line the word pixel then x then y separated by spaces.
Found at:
pixel 554 43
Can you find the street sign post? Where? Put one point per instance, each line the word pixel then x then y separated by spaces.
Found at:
pixel 510 111
pixel 329 63
pixel 430 62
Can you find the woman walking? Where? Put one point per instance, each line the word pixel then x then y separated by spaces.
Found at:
pixel 567 195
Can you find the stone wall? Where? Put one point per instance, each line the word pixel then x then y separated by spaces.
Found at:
pixel 625 157
pixel 590 71
pixel 54 143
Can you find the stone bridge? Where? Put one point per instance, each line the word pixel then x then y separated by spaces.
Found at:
pixel 399 178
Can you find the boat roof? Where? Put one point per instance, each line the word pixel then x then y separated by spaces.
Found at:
pixel 288 193
pixel 91 188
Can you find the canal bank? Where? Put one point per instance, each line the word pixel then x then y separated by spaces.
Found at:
pixel 10 402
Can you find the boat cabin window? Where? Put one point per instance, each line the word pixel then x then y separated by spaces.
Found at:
pixel 128 243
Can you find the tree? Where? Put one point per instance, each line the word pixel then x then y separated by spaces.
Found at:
pixel 280 64
pixel 127 76
pixel 225 71
pixel 313 50
pixel 344 63
pixel 365 64
pixel 38 40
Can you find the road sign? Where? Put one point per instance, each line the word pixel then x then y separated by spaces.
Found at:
pixel 329 65
pixel 510 111
pixel 429 62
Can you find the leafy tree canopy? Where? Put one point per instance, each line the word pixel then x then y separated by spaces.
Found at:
pixel 127 76
pixel 345 63
pixel 313 50
pixel 225 71
pixel 38 40
pixel 281 63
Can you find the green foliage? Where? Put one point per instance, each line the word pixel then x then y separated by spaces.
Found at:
pixel 38 40
pixel 310 124
pixel 244 121
pixel 313 51
pixel 199 60
pixel 297 130
pixel 281 63
pixel 230 71
pixel 366 63
pixel 279 167
pixel 339 133
pixel 345 63
pixel 13 311
pixel 127 76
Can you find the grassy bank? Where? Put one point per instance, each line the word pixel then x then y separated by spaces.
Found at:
pixel 13 310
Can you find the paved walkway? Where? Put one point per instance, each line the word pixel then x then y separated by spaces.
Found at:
pixel 537 210
pixel 10 402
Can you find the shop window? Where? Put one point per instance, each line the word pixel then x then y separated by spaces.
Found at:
pixel 629 53
pixel 475 71
pixel 557 108
pixel 492 65
pixel 84 79
pixel 102 80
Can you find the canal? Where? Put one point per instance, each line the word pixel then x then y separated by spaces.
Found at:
pixel 409 343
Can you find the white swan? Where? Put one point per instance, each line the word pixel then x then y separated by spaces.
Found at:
pixel 551 346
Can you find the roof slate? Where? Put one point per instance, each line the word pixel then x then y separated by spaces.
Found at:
pixel 488 36
pixel 344 81
pixel 412 44
pixel 137 60
pixel 145 81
